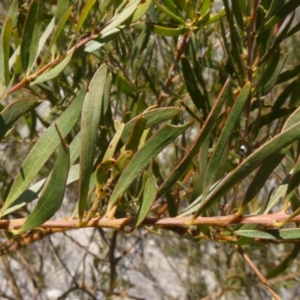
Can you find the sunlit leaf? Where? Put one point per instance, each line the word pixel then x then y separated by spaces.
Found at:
pixel 43 149
pixel 90 119
pixel 143 157
pixel 148 198
pixel 52 194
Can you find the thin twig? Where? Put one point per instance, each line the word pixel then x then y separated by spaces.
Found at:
pixel 257 272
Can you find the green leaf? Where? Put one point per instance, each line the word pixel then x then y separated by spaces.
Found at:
pixel 270 75
pixel 31 35
pixel 137 131
pixel 169 13
pixel 90 120
pixel 272 234
pixel 199 140
pixel 149 196
pixel 84 13
pixel 192 87
pixel 123 16
pixel 288 74
pixel 43 149
pixel 44 38
pixel 115 140
pixel 294 182
pixel 283 12
pixel 62 7
pixel 5 38
pixel 162 29
pixel 277 144
pixel 32 193
pixel 214 164
pixel 57 33
pixel 13 112
pixel 54 71
pixel 262 176
pixel 142 158
pixel 140 11
pixel 153 117
pixel 52 194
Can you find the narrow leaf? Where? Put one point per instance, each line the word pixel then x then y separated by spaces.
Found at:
pixel 54 71
pixel 200 139
pixel 153 117
pixel 13 112
pixel 275 145
pixel 43 149
pixel 52 194
pixel 273 234
pixel 119 19
pixel 230 124
pixel 149 196
pixel 143 157
pixel 31 34
pixel 84 13
pixel 90 119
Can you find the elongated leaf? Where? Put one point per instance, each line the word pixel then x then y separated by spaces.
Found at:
pixel 200 139
pixel 52 193
pixel 261 177
pixel 43 149
pixel 169 13
pixel 271 73
pixel 281 190
pixel 44 38
pixel 283 12
pixel 162 29
pixel 143 157
pixel 54 71
pixel 115 140
pixel 149 196
pixel 275 145
pixel 32 193
pixel 119 19
pixel 140 11
pixel 57 32
pixel 90 120
pixel 31 34
pixel 192 87
pixel 273 234
pixel 153 117
pixel 294 182
pixel 5 39
pixel 62 7
pixel 214 164
pixel 13 112
pixel 288 74
pixel 84 13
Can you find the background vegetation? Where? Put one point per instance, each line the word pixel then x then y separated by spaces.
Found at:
pixel 149 149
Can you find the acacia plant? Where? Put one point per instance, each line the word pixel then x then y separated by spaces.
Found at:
pixel 155 115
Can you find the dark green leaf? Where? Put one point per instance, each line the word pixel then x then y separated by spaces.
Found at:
pixel 13 112
pixel 31 35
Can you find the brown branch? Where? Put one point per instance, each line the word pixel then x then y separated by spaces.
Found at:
pixel 257 272
pixel 221 221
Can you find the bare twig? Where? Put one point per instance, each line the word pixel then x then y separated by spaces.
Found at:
pixel 257 272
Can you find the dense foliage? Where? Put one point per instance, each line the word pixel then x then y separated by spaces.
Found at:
pixel 153 116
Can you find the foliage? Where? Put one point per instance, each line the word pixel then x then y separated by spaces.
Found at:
pixel 163 114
